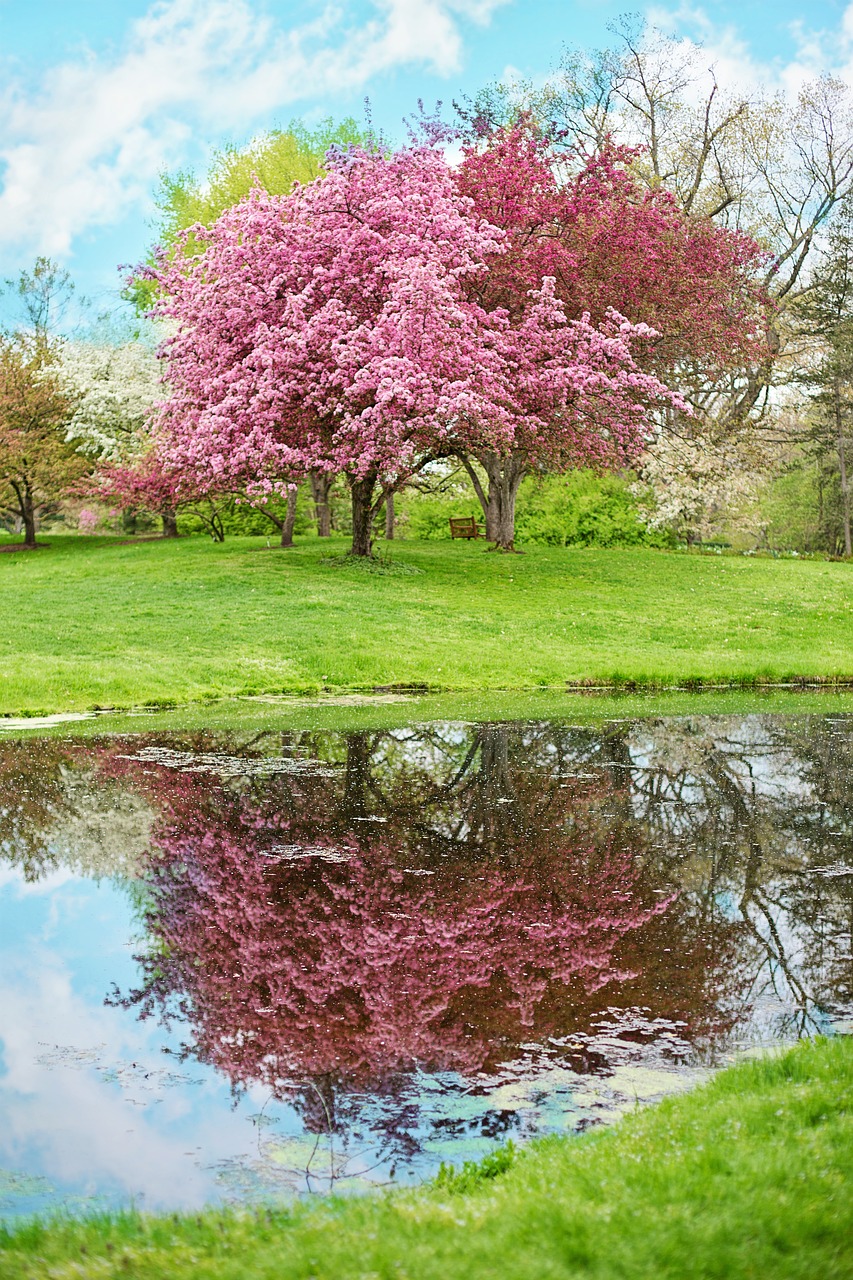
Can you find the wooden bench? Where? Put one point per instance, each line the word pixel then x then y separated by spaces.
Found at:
pixel 465 527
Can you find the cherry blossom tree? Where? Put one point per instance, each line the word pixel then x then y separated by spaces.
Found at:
pixel 325 331
pixel 607 243
pixel 351 327
pixel 300 947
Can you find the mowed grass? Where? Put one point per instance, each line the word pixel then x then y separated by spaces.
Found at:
pixel 88 622
pixel 748 1178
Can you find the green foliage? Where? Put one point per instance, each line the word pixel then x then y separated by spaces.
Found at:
pixel 275 160
pixel 801 509
pixel 473 1173
pixel 579 509
pixel 824 316
pixel 748 1176
pixel 427 515
pixel 187 619
pixel 583 509
pixel 239 519
pixel 42 296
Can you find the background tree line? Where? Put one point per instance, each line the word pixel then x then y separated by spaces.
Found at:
pixel 767 447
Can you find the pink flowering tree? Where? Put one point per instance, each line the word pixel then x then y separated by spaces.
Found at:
pixel 329 331
pixel 296 958
pixel 574 396
pixel 351 326
pixel 301 941
pixel 147 483
pixel 153 482
pixel 637 291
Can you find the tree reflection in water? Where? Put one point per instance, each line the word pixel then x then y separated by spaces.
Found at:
pixel 381 915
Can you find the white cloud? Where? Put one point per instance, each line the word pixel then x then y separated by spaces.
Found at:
pixel 815 52
pixel 83 149
pixel 89 1100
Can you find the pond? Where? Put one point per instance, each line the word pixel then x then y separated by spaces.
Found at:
pixel 239 965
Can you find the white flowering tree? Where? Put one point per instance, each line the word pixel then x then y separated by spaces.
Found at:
pixel 699 486
pixel 114 389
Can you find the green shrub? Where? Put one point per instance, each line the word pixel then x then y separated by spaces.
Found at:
pixel 801 509
pixel 584 509
pixel 577 509
pixel 473 1173
pixel 428 515
pixel 241 520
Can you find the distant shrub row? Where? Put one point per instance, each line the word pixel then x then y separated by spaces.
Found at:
pixel 577 509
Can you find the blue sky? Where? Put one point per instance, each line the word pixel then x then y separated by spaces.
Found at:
pixel 99 96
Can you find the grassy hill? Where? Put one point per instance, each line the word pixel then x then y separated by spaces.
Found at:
pixel 90 622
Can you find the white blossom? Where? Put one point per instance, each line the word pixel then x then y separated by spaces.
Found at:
pixel 704 486
pixel 115 389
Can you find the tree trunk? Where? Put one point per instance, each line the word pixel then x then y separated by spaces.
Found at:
pixel 321 484
pixel 29 516
pixel 217 527
pixel 505 474
pixel 361 492
pixel 491 818
pixel 842 460
pixel 356 797
pixel 26 518
pixel 845 494
pixel 289 519
pixel 389 515
pixel 169 517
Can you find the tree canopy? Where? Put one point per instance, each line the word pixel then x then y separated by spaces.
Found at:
pixel 342 328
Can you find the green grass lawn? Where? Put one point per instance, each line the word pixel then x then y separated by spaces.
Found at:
pixel 748 1178
pixel 90 622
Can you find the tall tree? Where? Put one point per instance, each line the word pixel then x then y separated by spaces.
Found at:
pixel 273 162
pixel 42 297
pixel 824 315
pixel 115 391
pixel 37 462
pixel 607 242
pixel 773 166
pixel 326 330
pixel 340 329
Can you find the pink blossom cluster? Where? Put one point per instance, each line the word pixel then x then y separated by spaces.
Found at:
pixel 353 325
pixel 87 521
pixel 610 242
pixel 300 959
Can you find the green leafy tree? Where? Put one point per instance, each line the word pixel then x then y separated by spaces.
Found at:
pixel 42 297
pixel 37 461
pixel 274 160
pixel 825 320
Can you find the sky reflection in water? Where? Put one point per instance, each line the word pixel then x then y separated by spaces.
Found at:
pixel 338 959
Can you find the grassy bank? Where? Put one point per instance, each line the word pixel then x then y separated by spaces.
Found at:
pixel 346 713
pixel 87 622
pixel 749 1176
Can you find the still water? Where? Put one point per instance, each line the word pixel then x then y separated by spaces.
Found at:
pixel 239 966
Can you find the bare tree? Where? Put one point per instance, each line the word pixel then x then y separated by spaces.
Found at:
pixel 43 296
